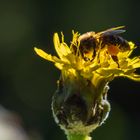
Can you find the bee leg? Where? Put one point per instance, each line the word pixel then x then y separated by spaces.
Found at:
pixel 115 58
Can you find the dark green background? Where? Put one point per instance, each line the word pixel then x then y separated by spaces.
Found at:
pixel 28 82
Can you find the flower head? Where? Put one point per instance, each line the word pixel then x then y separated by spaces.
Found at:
pixel 89 61
pixel 87 65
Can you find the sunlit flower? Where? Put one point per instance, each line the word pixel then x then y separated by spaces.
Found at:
pixel 87 65
pixel 102 65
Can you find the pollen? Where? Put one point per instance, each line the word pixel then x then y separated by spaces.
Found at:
pixel 113 50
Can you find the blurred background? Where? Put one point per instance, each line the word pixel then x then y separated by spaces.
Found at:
pixel 28 82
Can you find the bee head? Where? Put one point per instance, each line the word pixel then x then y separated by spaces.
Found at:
pixel 88 44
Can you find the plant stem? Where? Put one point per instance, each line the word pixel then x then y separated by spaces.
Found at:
pixel 78 137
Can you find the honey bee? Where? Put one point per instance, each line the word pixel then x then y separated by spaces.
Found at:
pixel 91 41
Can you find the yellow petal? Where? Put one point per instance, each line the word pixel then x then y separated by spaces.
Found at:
pixel 43 54
pixel 133 76
pixel 132 47
pixel 135 62
pixel 47 56
pixel 126 54
pixel 61 48
pixel 106 72
pixel 56 43
pixel 75 39
pixel 59 66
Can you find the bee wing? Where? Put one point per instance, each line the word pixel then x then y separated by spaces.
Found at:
pixel 116 28
pixel 111 31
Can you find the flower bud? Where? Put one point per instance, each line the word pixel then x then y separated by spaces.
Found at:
pixel 77 105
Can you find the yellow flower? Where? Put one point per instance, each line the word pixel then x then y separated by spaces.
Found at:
pixel 102 65
pixel 87 65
